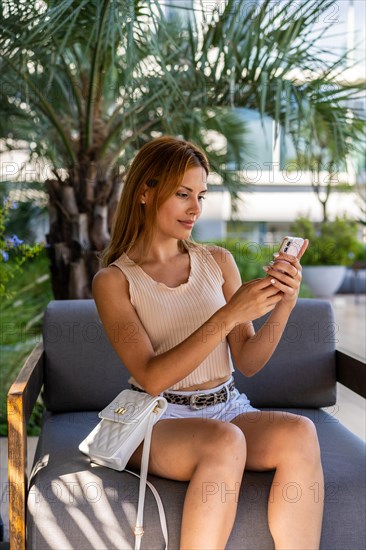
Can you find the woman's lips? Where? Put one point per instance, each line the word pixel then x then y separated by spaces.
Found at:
pixel 187 223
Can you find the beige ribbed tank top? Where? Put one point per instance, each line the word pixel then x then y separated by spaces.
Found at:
pixel 170 315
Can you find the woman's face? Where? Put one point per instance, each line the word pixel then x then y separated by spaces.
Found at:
pixel 178 214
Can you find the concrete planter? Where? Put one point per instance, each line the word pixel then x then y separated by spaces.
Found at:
pixel 323 280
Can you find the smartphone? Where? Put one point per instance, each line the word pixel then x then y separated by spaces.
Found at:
pixel 291 245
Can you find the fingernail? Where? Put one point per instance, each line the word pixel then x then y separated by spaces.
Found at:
pixel 276 254
pixel 273 281
pixel 265 267
pixel 271 263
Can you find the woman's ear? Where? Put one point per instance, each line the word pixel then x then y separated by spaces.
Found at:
pixel 144 196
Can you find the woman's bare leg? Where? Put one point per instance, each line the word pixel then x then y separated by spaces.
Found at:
pixel 289 444
pixel 211 455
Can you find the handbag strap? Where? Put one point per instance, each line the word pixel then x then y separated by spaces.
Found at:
pixel 139 530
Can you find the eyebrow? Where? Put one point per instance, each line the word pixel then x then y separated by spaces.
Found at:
pixel 191 190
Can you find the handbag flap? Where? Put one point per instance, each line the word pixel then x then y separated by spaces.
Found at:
pixel 131 406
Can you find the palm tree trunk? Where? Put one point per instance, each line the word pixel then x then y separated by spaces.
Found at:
pixel 75 238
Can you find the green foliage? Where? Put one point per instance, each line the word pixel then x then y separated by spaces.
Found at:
pixel 93 80
pixel 13 252
pixel 334 243
pixel 20 327
pixel 249 257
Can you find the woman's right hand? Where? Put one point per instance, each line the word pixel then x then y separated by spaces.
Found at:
pixel 252 300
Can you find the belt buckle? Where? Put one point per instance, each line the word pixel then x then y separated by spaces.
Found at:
pixel 193 401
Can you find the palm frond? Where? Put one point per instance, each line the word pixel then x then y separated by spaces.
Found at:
pixel 97 71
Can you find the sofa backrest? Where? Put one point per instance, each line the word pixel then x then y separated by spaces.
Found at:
pixel 302 370
pixel 83 372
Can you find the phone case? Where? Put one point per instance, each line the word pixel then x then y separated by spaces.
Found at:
pixel 291 245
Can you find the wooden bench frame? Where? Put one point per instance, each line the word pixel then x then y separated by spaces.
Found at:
pixel 23 394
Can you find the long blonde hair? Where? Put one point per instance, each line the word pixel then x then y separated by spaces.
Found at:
pixel 161 165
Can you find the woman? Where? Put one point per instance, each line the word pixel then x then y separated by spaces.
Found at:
pixel 175 312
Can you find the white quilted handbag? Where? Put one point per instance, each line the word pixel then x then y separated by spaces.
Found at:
pixel 125 423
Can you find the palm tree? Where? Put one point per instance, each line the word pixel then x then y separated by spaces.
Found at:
pixel 87 82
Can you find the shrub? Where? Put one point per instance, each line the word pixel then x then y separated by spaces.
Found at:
pixel 334 243
pixel 13 251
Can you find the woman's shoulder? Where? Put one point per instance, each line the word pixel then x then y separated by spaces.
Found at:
pixel 221 257
pixel 108 279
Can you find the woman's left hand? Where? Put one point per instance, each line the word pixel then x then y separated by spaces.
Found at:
pixel 285 273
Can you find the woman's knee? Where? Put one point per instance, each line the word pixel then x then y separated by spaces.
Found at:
pixel 225 442
pixel 304 440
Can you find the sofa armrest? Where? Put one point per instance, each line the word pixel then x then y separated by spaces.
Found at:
pixel 22 397
pixel 351 371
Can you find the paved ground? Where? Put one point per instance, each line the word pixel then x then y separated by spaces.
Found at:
pixel 349 330
pixel 350 327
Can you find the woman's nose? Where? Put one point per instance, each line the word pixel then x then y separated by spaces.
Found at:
pixel 195 205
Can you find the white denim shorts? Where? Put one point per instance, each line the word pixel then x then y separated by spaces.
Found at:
pixel 237 404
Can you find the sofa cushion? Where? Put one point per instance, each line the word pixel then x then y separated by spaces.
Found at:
pixel 83 372
pixel 72 504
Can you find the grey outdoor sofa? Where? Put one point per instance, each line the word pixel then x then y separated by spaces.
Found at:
pixel 71 504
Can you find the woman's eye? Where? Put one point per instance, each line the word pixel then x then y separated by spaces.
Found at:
pixel 185 195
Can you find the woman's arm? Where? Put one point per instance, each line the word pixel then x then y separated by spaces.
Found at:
pixel 132 344
pixel 251 350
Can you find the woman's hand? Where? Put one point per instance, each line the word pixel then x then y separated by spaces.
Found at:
pixel 253 299
pixel 285 274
